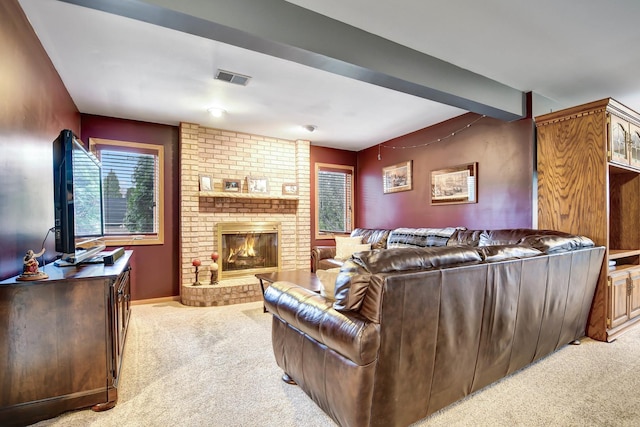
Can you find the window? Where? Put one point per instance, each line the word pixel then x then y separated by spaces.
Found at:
pixel 132 177
pixel 334 200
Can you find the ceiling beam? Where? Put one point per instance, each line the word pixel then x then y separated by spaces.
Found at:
pixel 290 32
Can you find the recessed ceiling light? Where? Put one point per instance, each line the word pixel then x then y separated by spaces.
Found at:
pixel 310 128
pixel 216 111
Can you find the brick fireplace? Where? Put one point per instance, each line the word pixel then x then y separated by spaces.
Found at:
pixel 222 155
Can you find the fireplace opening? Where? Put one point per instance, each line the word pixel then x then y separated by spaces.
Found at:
pixel 248 248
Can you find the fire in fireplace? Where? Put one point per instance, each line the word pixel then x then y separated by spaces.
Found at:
pixel 248 248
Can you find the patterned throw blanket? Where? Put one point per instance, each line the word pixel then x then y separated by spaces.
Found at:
pixel 419 237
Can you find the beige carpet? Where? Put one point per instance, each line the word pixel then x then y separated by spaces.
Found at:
pixel 189 366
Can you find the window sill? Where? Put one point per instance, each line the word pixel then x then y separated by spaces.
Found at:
pixel 133 241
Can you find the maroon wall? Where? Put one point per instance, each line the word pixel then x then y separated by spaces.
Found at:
pixel 336 157
pixel 504 152
pixel 34 107
pixel 155 268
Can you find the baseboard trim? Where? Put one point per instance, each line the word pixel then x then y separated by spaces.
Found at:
pixel 155 300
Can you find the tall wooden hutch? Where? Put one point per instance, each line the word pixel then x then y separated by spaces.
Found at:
pixel 589 184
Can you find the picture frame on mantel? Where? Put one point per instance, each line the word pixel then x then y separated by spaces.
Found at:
pixel 397 177
pixel 456 184
pixel 258 185
pixel 232 185
pixel 205 183
pixel 290 189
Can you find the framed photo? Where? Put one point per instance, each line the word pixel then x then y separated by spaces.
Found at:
pixel 205 183
pixel 290 188
pixel 257 185
pixel 397 177
pixel 457 184
pixel 232 185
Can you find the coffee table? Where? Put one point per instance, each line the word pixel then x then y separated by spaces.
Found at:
pixel 303 278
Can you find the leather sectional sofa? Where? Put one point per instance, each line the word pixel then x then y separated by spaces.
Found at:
pixel 413 329
pixel 324 257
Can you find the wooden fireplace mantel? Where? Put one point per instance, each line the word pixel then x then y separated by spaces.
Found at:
pixel 231 195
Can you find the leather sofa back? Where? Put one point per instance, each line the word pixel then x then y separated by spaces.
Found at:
pixel 545 240
pixel 447 333
pixel 358 287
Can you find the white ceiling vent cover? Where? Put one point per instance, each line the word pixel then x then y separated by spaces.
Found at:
pixel 231 77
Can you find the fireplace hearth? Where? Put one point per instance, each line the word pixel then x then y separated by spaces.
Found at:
pixel 248 248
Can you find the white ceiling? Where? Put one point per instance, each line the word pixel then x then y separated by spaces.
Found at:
pixel 570 52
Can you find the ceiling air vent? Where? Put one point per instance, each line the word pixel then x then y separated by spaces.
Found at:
pixel 231 77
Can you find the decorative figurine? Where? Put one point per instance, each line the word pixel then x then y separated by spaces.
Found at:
pixel 214 268
pixel 30 265
pixel 196 263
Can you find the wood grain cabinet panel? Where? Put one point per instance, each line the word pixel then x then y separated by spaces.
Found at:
pixel 634 293
pixel 62 340
pixel 619 307
pixel 589 184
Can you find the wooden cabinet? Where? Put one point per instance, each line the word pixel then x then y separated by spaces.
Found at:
pixel 62 341
pixel 624 291
pixel 624 142
pixel 589 184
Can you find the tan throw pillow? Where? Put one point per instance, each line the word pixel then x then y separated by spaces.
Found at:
pixel 360 248
pixel 328 282
pixel 344 246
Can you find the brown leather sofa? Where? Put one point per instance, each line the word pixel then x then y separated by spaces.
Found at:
pixel 413 330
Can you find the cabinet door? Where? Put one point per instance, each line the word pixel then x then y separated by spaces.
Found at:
pixel 121 298
pixel 618 129
pixel 619 313
pixel 634 146
pixel 634 293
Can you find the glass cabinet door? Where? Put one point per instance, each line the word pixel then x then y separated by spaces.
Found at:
pixel 634 147
pixel 618 145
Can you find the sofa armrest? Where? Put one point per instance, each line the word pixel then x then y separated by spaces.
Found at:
pixel 319 253
pixel 348 334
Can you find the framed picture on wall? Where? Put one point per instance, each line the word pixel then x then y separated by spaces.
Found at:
pixel 456 184
pixel 397 177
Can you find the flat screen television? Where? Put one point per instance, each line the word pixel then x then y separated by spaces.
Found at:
pixel 77 191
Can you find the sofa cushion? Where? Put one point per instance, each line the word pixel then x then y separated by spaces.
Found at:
pixel 553 243
pixel 351 286
pixel 511 236
pixel 328 282
pixel 501 252
pixel 406 259
pixel 546 241
pixel 464 237
pixel 419 237
pixel 377 237
pixel 345 246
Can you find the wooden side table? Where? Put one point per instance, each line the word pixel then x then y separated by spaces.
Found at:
pixel 303 278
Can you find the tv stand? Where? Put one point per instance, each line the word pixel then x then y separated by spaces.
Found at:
pixel 62 340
